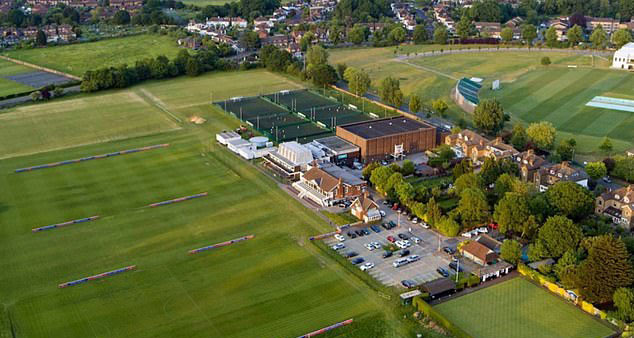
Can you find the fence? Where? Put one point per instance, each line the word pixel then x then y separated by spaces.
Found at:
pixel 437 317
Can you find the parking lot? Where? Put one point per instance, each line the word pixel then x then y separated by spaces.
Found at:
pixel 421 271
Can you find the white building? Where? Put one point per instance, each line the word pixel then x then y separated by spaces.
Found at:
pixel 624 57
pixel 290 159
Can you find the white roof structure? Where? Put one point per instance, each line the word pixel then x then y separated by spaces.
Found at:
pixel 295 153
pixel 624 57
pixel 227 136
pixel 235 145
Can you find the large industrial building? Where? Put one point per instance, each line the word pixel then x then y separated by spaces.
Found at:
pixel 378 139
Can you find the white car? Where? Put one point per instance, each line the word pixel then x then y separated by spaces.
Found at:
pixel 424 225
pixel 483 230
pixel 366 266
pixel 415 240
pixel 338 246
pixel 407 243
pixel 467 234
pixel 382 213
pixel 413 258
pixel 369 246
pixel 415 220
pixel 340 238
pixel 401 244
pixel 376 245
pixel 400 262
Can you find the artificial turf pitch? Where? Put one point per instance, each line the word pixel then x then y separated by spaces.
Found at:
pixel 276 285
pixel 519 309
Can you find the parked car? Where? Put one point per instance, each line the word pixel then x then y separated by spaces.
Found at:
pixel 392 224
pixel 493 226
pixel 424 225
pixel 382 213
pixel 415 239
pixel 365 231
pixel 349 234
pixel 366 266
pixel 415 220
pixel 369 246
pixel 607 179
pixel 385 226
pixel 351 254
pixel 386 202
pixel 454 266
pixel 413 258
pixel 403 236
pixel 467 234
pixel 483 230
pixel 375 229
pixel 340 238
pixel 399 262
pixel 338 246
pixel 395 206
pixel 391 239
pixel 403 252
pixel 401 244
pixel 408 283
pixel 387 254
pixel 376 245
pixel 449 250
pixel 443 272
pixel 357 260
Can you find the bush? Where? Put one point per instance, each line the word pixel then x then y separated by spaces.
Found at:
pixel 546 61
pixel 437 317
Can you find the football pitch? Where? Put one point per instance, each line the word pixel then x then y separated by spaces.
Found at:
pixel 518 309
pixel 275 285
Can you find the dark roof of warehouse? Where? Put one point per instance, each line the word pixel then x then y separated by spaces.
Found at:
pixel 384 127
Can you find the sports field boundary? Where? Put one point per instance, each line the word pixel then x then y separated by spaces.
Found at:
pixel 449 51
pixel 158 104
pixel 48 70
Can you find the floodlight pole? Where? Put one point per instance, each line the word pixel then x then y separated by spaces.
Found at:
pixel 457 271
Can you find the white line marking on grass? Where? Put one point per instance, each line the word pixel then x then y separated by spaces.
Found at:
pixel 159 104
pixel 427 69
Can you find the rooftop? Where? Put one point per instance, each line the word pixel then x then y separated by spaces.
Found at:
pixel 384 127
pixel 337 145
pixel 342 173
pixel 439 286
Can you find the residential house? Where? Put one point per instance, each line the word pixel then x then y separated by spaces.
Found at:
pixel 490 242
pixel 609 25
pixel 515 24
pixel 529 163
pixel 627 25
pixel 365 209
pixel 476 147
pixel 490 29
pixel 547 176
pixel 561 26
pixel 630 152
pixel 478 253
pixel 326 185
pixel 618 205
pixel 190 42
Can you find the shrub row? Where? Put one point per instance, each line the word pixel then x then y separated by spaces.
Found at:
pixel 440 319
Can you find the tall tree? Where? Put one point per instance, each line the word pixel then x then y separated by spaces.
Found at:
pixel 606 269
pixel 621 37
pixel 599 38
pixel 507 34
pixel 551 37
pixel 570 199
pixel 415 104
pixel 511 251
pixel 542 134
pixel 575 35
pixel 519 139
pixel 420 35
pixel 390 91
pixel 473 207
pixel 623 299
pixel 439 106
pixel 358 81
pixel 440 35
pixel 596 170
pixel 606 146
pixel 489 116
pixel 40 38
pixel 529 33
pixel 465 27
pixel 317 55
pixel 467 181
pixel 558 235
pixel 511 213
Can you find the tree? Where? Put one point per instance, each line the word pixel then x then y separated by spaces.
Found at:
pixel 545 61
pixel 415 104
pixel 448 227
pixel 461 168
pixel 317 55
pixel 466 181
pixel 420 34
pixel 323 74
pixel 551 37
pixel 121 17
pixel 489 116
pixel 390 91
pixel 341 70
pixel 621 37
pixel 529 33
pixel 565 269
pixel 440 106
pixel 511 251
pixel 251 40
pixel 306 41
pixel 518 137
pixel 566 149
pixel 624 168
pixel 489 171
pixel 570 199
pixel 380 176
pixel 358 34
pixel 606 269
pixel 397 35
pixel 36 95
pixel 405 192
pixel 623 299
pixel 511 212
pixel 367 171
pixel 433 212
pixel 408 168
pixel 599 37
pixel 487 11
pixel 507 34
pixel 40 38
pixel 440 35
pixel 596 170
pixel 606 146
pixel 473 207
pixel 358 81
pixel 558 235
pixel 575 35
pixel 464 27
pixel 542 134
pixel 192 67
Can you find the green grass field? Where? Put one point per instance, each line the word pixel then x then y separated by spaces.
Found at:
pixel 519 309
pixel 276 285
pixel 559 95
pixel 78 58
pixel 7 86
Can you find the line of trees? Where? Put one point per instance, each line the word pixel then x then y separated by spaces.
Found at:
pixel 154 68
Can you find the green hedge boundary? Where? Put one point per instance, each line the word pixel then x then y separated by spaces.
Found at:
pixel 437 317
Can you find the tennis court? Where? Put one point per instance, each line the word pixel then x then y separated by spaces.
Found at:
pixel 335 116
pixel 250 107
pixel 270 121
pixel 301 100
pixel 300 132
